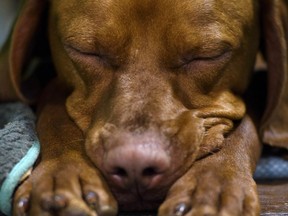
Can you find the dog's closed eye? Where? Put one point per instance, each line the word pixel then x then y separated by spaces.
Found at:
pixel 90 56
pixel 78 50
pixel 207 54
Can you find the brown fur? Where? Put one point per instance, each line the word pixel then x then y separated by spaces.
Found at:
pixel 168 76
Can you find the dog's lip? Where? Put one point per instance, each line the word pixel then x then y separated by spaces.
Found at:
pixel 140 206
pixel 151 200
pixel 130 199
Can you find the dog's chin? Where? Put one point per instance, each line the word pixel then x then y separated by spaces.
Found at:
pixel 148 201
pixel 140 206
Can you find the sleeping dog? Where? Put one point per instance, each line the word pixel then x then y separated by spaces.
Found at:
pixel 147 109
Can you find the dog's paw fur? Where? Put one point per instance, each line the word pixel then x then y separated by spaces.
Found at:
pixel 73 189
pixel 212 193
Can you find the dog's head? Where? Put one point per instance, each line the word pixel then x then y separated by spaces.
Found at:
pixel 155 85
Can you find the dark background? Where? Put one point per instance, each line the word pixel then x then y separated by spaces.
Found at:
pixel 8 10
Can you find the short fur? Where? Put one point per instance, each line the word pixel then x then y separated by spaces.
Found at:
pixel 167 76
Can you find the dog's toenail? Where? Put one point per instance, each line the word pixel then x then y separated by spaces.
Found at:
pixel 60 202
pixel 181 209
pixel 92 200
pixel 23 205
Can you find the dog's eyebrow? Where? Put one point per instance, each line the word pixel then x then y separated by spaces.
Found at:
pixel 206 42
pixel 213 45
pixel 92 37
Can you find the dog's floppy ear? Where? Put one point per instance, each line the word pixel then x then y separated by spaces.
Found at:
pixel 18 49
pixel 274 128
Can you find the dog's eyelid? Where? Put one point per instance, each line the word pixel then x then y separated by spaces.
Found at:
pixel 212 56
pixel 207 51
pixel 105 59
pixel 208 57
pixel 74 48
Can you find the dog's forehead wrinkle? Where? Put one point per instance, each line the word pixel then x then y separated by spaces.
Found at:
pixel 86 27
pixel 201 11
pixel 110 26
pixel 90 36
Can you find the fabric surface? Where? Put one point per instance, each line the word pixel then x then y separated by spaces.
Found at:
pixel 271 168
pixel 19 148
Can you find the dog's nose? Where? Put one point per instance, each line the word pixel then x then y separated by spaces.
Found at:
pixel 139 166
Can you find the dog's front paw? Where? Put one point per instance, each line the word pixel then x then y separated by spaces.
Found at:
pixel 72 189
pixel 212 193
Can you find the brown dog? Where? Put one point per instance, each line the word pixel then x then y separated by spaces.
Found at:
pixel 148 107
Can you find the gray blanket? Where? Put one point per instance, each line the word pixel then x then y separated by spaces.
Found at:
pixel 19 148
